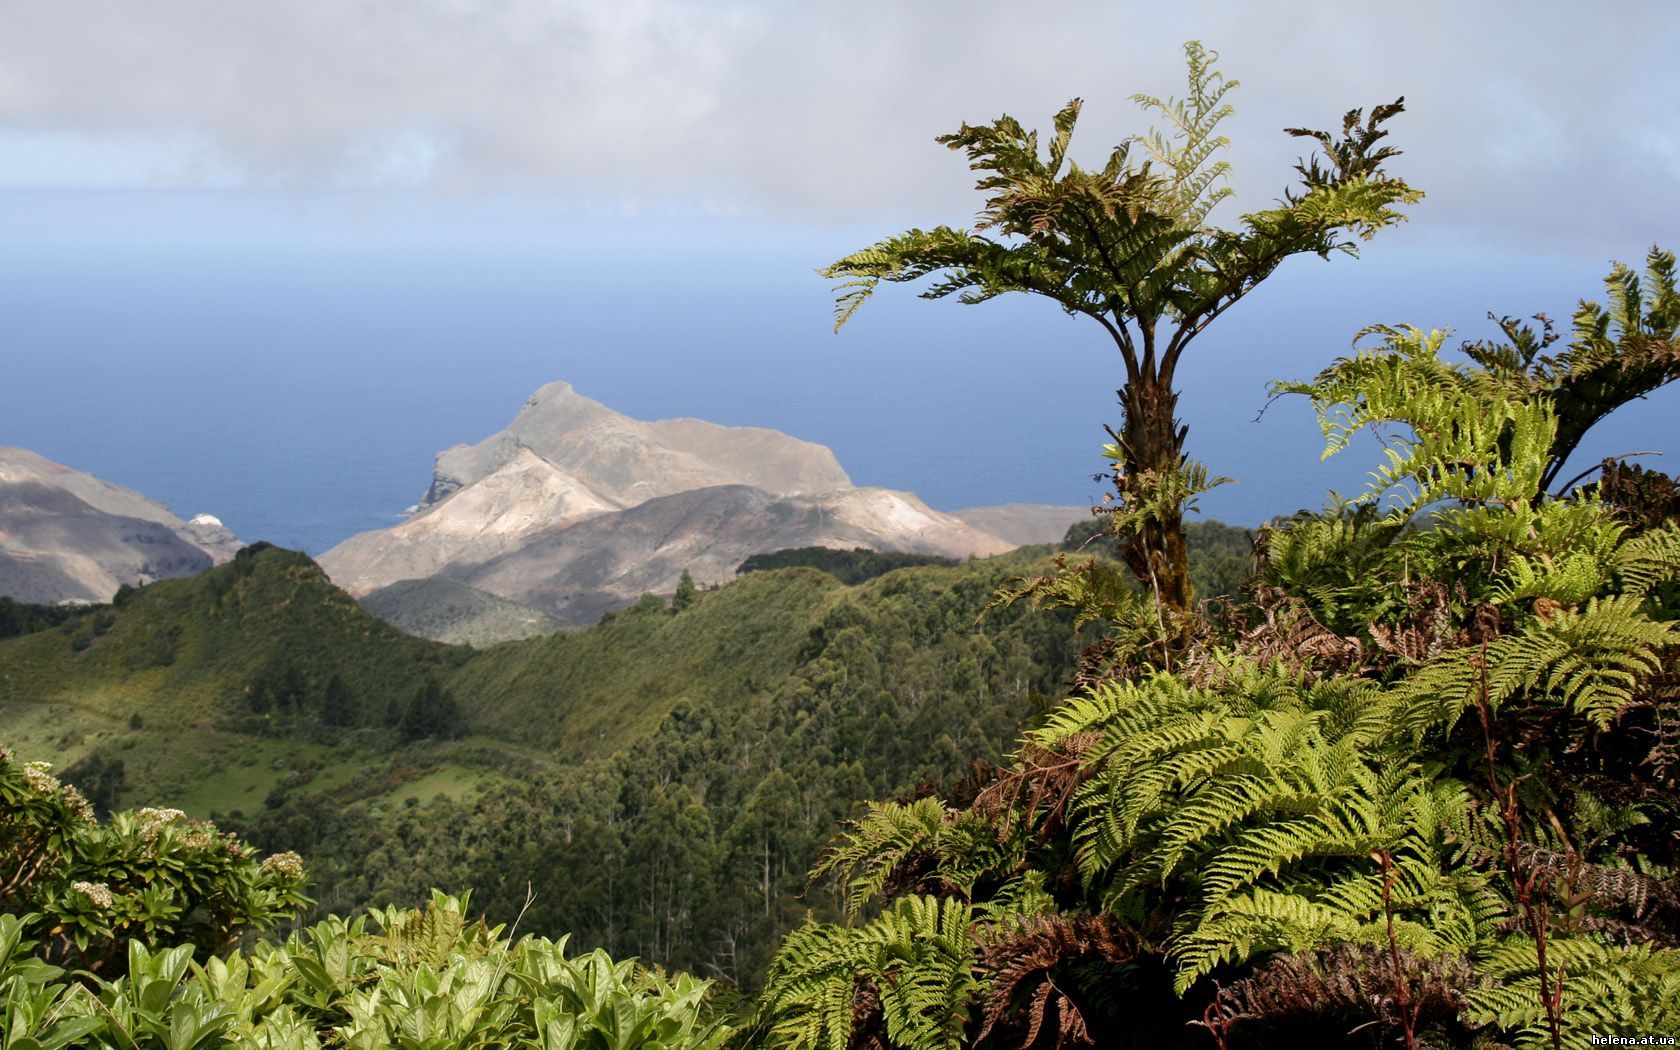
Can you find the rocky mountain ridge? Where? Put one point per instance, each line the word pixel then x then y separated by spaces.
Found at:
pixel 68 536
pixel 575 509
pixel 571 511
pixel 625 461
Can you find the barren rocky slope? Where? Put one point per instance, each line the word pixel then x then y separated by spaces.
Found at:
pixel 69 536
pixel 577 572
pixel 625 461
pixel 576 510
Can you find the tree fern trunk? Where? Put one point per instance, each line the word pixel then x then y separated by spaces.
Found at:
pixel 1153 441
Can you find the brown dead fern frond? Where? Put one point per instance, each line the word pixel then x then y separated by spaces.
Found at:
pixel 1040 786
pixel 1614 889
pixel 1647 499
pixel 1288 634
pixel 1024 963
pixel 1352 983
pixel 869 1022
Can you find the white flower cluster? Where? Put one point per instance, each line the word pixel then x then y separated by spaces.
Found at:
pixel 96 892
pixel 153 821
pixel 288 863
pixel 78 803
pixel 38 775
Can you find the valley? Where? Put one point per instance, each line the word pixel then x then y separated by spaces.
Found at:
pixel 260 694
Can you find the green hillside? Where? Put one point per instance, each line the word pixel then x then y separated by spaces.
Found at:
pixel 168 682
pixel 451 611
pixel 743 728
pixel 662 782
pixel 581 694
pixel 196 651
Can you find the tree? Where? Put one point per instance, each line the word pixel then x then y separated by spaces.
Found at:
pixel 1128 246
pixel 280 687
pixel 338 708
pixel 1614 355
pixel 1410 796
pixel 686 592
pixel 432 712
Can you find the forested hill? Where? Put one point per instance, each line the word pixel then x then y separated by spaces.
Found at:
pixel 690 846
pixel 266 644
pixel 779 701
pixel 662 781
pixel 264 634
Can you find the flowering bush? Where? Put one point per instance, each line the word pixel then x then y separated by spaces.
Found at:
pixel 153 875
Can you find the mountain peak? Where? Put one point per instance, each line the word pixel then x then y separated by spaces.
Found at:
pixel 551 391
pixel 624 461
pixel 581 508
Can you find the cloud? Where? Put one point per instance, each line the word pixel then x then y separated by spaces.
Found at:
pixel 1533 120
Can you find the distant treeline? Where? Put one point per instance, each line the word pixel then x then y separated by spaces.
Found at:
pixel 1221 556
pixel 22 618
pixel 849 567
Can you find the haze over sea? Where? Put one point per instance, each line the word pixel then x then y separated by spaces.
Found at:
pixel 291 363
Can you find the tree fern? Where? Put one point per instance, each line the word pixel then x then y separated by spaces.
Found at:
pixel 1128 245
pixel 1588 661
pixel 1306 788
pixel 1649 560
pixel 897 842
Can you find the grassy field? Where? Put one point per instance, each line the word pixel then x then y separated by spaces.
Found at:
pixel 210 772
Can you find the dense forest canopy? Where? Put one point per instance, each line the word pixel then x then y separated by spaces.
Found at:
pixel 847 566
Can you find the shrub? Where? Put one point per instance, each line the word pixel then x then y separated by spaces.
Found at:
pixel 391 978
pixel 152 876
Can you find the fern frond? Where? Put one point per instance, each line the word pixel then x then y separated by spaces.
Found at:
pixel 895 841
pixel 1606 991
pixel 1649 560
pixel 910 971
pixel 1587 660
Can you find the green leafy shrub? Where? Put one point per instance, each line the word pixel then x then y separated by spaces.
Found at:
pixel 417 979
pixel 91 889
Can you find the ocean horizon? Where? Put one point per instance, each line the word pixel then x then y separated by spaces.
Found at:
pixel 296 380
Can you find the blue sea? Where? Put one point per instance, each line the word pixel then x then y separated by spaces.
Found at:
pixel 292 364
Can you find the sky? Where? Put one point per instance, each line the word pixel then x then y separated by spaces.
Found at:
pixel 265 259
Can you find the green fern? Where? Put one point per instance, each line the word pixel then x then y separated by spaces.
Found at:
pixel 1649 560
pixel 1589 661
pixel 1260 805
pixel 909 974
pixel 1607 991
pixel 893 839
